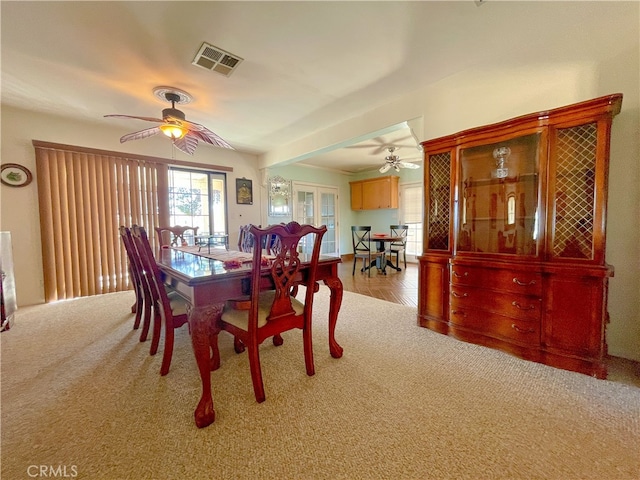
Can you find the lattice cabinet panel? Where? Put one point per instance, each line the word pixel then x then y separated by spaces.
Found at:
pixel 575 191
pixel 439 201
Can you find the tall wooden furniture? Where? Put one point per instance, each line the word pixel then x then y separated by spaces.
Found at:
pixel 374 193
pixel 514 238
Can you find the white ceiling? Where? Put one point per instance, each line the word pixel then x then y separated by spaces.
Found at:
pixel 306 65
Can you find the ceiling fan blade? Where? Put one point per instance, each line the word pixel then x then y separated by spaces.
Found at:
pixel 148 119
pixel 146 133
pixel 206 135
pixel 385 167
pixel 411 166
pixel 187 144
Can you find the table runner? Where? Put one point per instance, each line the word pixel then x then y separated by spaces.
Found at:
pixel 218 254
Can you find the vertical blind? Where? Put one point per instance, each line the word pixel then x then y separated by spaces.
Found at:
pixel 84 196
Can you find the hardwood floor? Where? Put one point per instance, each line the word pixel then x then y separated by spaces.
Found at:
pixel 397 287
pixel 402 287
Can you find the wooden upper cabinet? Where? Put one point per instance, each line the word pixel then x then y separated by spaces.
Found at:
pixel 374 193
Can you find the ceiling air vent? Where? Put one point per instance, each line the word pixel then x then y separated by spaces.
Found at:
pixel 215 59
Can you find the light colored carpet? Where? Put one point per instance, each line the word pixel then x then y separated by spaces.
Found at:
pixel 80 391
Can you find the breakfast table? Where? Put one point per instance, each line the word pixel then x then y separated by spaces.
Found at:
pixel 384 262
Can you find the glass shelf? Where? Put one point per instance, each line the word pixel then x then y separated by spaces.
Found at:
pixel 499 197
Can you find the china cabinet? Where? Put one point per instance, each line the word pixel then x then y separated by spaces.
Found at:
pixel 374 193
pixel 514 238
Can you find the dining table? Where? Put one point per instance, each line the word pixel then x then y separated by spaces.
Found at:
pixel 381 239
pixel 208 280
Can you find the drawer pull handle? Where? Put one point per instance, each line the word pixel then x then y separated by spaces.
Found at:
pixel 458 312
pixel 524 284
pixel 522 330
pixel 457 295
pixel 517 305
pixel 457 275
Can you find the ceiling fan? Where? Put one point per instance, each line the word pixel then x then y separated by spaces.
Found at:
pixel 379 144
pixel 185 134
pixel 393 161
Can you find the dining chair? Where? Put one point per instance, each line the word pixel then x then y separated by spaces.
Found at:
pixel 361 239
pixel 246 241
pixel 142 305
pixel 273 309
pixel 174 236
pixel 169 308
pixel 399 246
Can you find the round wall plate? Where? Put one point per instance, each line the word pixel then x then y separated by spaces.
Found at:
pixel 14 175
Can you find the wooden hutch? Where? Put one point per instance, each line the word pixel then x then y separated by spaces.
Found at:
pixel 514 238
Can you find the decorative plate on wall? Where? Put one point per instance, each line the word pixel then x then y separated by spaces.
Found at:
pixel 15 175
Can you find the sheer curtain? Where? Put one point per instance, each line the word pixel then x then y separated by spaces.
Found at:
pixel 84 196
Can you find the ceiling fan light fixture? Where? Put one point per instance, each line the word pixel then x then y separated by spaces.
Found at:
pixel 173 131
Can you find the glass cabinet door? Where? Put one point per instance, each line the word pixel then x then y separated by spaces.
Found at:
pixel 498 197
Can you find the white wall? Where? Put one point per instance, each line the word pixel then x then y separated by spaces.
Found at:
pixel 479 97
pixel 19 212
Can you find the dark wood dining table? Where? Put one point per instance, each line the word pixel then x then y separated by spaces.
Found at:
pixel 206 283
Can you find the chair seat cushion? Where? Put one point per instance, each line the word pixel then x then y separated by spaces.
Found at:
pixel 178 304
pixel 240 317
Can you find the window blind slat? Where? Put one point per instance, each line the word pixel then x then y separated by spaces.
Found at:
pixel 84 197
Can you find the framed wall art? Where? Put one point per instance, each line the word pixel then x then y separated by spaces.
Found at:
pixel 244 191
pixel 15 175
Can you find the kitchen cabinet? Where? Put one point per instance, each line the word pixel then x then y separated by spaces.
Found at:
pixel 374 193
pixel 514 238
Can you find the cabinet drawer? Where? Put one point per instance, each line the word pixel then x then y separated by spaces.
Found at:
pixel 521 282
pixel 523 331
pixel 507 303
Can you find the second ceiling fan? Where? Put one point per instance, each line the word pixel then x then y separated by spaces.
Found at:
pixel 393 161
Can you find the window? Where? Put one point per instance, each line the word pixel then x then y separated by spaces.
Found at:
pixel 198 199
pixel 411 215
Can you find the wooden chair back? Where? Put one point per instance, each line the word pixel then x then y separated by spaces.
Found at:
pixel 174 236
pixel 245 239
pixel 143 295
pixel 273 307
pixel 163 306
pixel 399 231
